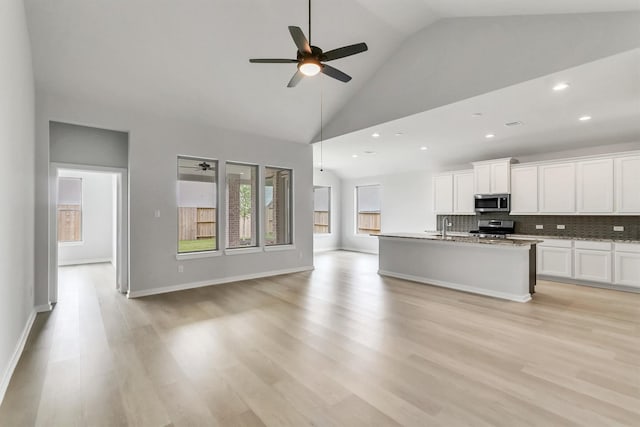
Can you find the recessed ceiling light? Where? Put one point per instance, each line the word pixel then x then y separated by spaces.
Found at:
pixel 489 136
pixel 585 118
pixel 354 155
pixel 424 148
pixel 399 134
pixel 375 134
pixel 517 123
pixel 476 115
pixel 561 86
pixel 370 152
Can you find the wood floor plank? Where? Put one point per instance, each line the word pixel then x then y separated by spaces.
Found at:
pixel 337 346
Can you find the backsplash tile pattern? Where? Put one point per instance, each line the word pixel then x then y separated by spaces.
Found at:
pixel 591 227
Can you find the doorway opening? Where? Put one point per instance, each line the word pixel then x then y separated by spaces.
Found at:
pixel 88 228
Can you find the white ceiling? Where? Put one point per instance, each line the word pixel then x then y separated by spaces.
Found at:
pixel 608 90
pixel 189 59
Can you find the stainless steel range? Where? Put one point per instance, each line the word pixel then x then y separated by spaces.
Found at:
pixel 494 228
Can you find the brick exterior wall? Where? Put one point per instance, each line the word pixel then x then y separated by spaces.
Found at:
pixel 233 219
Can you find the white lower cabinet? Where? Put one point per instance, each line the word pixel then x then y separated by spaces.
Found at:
pixel 592 261
pixel 554 258
pixel 627 264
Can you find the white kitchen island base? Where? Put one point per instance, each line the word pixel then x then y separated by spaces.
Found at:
pixel 502 269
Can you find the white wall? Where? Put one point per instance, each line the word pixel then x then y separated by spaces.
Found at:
pixel 331 241
pixel 97 221
pixel 406 206
pixel 155 142
pixel 458 58
pixel 16 184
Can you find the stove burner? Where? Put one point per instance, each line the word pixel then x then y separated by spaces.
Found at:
pixel 494 229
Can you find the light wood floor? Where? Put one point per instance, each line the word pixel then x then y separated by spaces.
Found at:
pixel 336 346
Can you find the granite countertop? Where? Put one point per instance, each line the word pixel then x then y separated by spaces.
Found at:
pixel 539 237
pixel 461 238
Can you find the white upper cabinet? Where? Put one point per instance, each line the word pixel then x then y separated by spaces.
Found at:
pixel 628 184
pixel 492 176
pixel 463 201
pixel 594 182
pixel 557 186
pixel 524 190
pixel 443 193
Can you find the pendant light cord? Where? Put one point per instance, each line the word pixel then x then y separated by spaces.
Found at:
pixel 309 22
pixel 321 159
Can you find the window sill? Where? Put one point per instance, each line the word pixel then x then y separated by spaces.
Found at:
pixel 66 244
pixel 240 251
pixel 321 235
pixel 198 255
pixel 366 235
pixel 278 248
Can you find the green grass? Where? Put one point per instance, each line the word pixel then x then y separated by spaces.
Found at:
pixel 196 245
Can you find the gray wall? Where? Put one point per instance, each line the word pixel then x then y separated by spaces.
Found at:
pixel 16 182
pixel 87 145
pixel 458 58
pixel 155 142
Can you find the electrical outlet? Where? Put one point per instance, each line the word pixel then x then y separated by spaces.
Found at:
pixel 157 213
pixel 180 268
pixel 618 228
pixel 539 226
pixel 560 226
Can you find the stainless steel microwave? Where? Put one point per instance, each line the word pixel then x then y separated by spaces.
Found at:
pixel 492 202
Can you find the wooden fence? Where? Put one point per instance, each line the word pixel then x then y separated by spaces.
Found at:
pixel 368 222
pixel 69 223
pixel 196 223
pixel 321 222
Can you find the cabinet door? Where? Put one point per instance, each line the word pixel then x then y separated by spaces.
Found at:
pixel 628 184
pixel 592 265
pixel 443 194
pixel 524 190
pixel 500 177
pixel 482 179
pixel 554 261
pixel 557 186
pixel 594 182
pixel 463 202
pixel 627 269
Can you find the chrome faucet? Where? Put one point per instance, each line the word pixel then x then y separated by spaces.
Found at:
pixel 445 224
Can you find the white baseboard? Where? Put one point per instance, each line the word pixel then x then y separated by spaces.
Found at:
pixel 359 250
pixel 42 308
pixel 13 362
pixel 83 261
pixel 326 249
pixel 192 285
pixel 458 287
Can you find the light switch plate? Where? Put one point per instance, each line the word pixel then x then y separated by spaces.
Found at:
pixel 560 226
pixel 180 268
pixel 618 228
pixel 539 226
pixel 157 213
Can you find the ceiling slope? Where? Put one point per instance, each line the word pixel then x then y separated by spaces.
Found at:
pixel 459 58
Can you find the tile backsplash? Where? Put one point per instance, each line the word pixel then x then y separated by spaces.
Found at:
pixel 594 227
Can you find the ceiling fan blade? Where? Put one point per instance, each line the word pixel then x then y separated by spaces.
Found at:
pixel 335 73
pixel 295 79
pixel 272 61
pixel 342 52
pixel 300 40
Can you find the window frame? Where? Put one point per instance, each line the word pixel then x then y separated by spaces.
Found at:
pixel 357 210
pixel 81 240
pixel 208 252
pixel 329 211
pixel 291 242
pixel 255 222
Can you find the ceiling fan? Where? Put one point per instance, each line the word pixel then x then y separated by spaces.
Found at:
pixel 204 166
pixel 310 58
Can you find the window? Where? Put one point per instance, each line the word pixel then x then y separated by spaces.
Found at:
pixel 69 209
pixel 197 205
pixel 242 203
pixel 321 210
pixel 278 206
pixel 368 208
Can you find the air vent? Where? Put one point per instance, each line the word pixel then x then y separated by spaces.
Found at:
pixel 513 124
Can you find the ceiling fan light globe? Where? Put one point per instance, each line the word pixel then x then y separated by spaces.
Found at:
pixel 309 68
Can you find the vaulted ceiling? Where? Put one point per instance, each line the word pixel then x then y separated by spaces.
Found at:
pixel 189 59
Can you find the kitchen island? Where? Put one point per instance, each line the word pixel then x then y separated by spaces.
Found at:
pixel 501 268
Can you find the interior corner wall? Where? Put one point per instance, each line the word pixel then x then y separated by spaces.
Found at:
pixel 155 142
pixel 16 185
pixel 97 221
pixel 333 240
pixel 406 206
pixel 459 58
